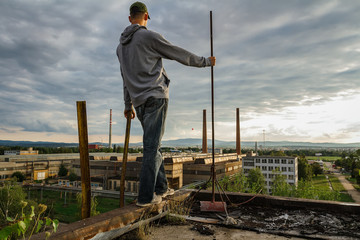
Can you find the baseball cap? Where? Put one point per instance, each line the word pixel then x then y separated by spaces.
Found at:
pixel 138 7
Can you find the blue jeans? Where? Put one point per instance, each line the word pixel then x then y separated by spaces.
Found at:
pixel 152 115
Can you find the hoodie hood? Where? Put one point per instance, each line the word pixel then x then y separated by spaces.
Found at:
pixel 128 33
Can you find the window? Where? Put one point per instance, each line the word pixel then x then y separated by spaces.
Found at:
pixel 265 175
pixel 277 161
pixel 291 177
pixel 271 160
pixel 283 169
pixel 283 161
pixel 271 175
pixel 271 168
pixel 291 161
pixel 290 169
pixel 248 163
pixel 264 168
pixel 264 161
pixel 257 160
pixel 258 167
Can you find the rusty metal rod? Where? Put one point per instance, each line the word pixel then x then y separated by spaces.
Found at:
pixel 212 113
pixel 238 143
pixel 124 160
pixel 84 159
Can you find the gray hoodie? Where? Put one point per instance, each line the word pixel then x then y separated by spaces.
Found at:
pixel 140 54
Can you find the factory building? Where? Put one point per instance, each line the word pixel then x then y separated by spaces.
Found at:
pixel 269 165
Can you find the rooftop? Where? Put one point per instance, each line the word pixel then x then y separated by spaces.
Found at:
pixel 248 215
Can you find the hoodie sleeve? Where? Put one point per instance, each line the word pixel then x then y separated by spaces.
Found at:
pixel 127 99
pixel 172 52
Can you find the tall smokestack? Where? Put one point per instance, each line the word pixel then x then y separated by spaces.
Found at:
pixel 110 129
pixel 204 138
pixel 256 149
pixel 238 144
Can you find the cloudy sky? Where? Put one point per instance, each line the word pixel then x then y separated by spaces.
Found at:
pixel 291 66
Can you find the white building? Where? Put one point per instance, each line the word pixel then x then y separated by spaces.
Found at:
pixel 288 166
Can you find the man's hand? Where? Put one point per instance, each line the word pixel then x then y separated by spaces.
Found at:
pixel 213 60
pixel 132 112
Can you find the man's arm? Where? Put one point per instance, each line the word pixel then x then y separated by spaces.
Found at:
pixel 170 51
pixel 127 100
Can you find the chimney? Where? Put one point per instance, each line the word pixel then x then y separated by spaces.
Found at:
pixel 110 129
pixel 204 138
pixel 256 149
pixel 238 144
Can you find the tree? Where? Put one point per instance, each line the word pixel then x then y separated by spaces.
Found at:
pixel 10 198
pixel 316 168
pixel 256 181
pixel 20 177
pixel 62 171
pixel 238 183
pixel 72 177
pixel 304 169
pixel 279 185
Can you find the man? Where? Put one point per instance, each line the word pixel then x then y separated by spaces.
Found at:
pixel 145 84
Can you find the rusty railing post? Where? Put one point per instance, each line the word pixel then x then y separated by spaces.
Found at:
pixel 238 143
pixel 84 159
pixel 204 138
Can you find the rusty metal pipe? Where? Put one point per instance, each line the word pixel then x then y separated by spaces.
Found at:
pixel 124 160
pixel 212 113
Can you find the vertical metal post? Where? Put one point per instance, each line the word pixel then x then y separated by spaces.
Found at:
pixel 212 113
pixel 124 160
pixel 204 138
pixel 84 159
pixel 110 129
pixel 238 143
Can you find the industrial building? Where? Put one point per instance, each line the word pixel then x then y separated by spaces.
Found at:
pixel 270 165
pixel 30 151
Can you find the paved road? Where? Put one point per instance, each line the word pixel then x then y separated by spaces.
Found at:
pixel 347 185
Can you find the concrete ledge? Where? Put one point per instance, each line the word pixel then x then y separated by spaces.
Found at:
pixel 282 202
pixel 118 218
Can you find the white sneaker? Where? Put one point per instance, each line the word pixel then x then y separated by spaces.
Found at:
pixel 156 200
pixel 168 192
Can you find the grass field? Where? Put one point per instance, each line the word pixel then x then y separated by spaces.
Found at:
pixel 344 197
pixel 66 209
pixel 336 184
pixel 324 158
pixel 321 183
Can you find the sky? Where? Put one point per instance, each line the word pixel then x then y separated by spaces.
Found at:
pixel 291 66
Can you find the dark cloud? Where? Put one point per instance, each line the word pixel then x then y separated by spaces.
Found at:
pixel 271 55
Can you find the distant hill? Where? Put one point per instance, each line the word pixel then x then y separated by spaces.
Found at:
pixel 194 142
pixel 35 144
